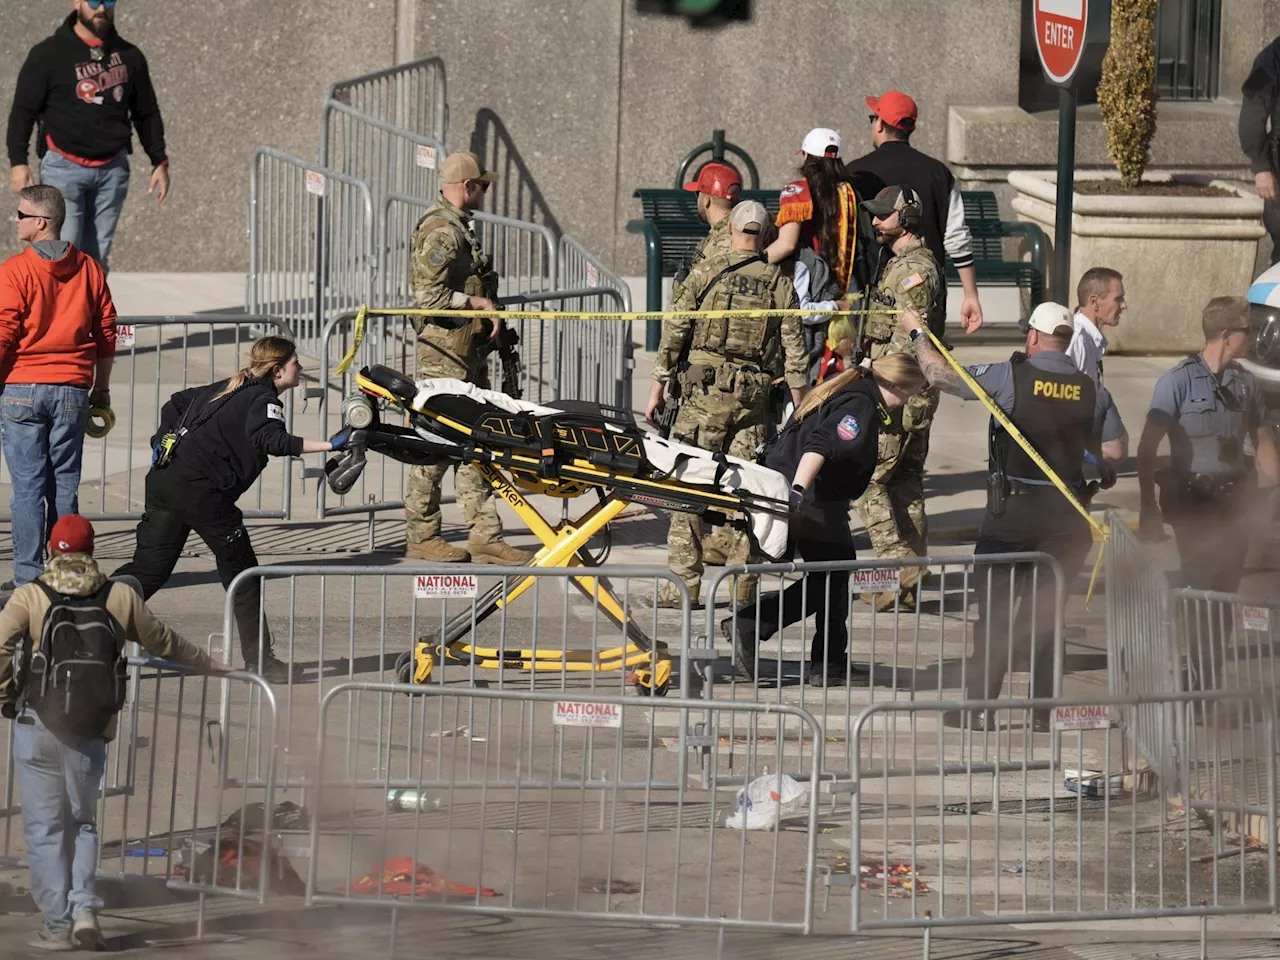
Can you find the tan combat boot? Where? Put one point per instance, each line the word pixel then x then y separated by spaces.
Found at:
pixel 713 553
pixel 667 598
pixel 904 599
pixel 436 550
pixel 499 552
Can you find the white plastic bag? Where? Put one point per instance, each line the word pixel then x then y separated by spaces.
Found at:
pixel 765 801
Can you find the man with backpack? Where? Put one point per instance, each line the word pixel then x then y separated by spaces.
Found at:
pixel 62 680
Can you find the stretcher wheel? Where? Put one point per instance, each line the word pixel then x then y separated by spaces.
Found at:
pixel 653 681
pixel 416 667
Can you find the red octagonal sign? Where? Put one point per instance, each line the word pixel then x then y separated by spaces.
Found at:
pixel 1060 26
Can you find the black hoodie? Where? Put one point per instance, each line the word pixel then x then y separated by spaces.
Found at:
pixel 85 105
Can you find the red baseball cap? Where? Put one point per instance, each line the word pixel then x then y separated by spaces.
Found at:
pixel 896 109
pixel 71 534
pixel 718 180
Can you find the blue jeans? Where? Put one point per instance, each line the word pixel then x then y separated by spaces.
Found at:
pixel 42 436
pixel 94 196
pixel 59 778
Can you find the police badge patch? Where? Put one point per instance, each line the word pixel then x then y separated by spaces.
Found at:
pixel 435 258
pixel 848 427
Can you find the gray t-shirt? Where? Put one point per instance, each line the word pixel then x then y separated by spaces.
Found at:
pixel 1212 416
pixel 997 380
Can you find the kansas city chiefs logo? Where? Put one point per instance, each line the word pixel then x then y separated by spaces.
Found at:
pixel 87 90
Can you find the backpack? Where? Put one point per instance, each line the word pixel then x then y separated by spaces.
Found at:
pixel 75 678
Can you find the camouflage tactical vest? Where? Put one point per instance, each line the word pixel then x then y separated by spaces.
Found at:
pixel 740 338
pixel 471 271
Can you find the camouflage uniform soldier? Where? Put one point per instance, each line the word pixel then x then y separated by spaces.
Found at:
pixel 728 377
pixel 892 509
pixel 718 187
pixel 448 270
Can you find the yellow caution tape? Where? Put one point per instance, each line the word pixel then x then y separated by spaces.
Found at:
pixel 365 311
pixel 1100 530
pixel 605 315
pixel 100 422
pixel 361 315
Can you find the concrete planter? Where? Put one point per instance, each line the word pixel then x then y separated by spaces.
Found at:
pixel 1176 253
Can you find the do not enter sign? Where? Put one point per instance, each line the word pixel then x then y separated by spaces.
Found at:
pixel 1060 31
pixel 1065 30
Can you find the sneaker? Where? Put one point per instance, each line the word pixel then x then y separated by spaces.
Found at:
pixel 436 550
pixel 8 586
pixel 274 670
pixel 85 933
pixel 499 552
pixel 828 674
pixel 54 941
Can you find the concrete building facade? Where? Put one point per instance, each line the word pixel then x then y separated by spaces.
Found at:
pixel 589 99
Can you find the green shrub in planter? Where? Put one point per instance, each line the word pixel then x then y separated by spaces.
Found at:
pixel 1127 93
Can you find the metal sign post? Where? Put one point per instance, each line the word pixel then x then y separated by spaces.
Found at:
pixel 1071 37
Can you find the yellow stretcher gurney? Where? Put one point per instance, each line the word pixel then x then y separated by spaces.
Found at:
pixel 522 448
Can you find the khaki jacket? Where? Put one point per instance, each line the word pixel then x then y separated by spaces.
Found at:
pixel 77 575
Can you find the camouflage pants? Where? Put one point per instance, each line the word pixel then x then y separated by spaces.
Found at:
pixel 892 508
pixel 713 420
pixel 422 489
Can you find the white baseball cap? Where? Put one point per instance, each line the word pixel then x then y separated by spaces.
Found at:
pixel 822 142
pixel 1050 318
pixel 747 214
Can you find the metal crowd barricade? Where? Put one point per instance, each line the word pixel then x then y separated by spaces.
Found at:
pixel 573 359
pixel 899 654
pixel 1229 642
pixel 176 804
pixel 579 270
pixel 514 802
pixel 155 358
pixel 412 96
pixel 354 623
pixel 311 243
pixel 387 157
pixel 1079 840
pixel 1142 658
pixel 524 254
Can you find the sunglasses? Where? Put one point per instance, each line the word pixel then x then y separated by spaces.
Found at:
pixel 872 118
pixel 95 4
pixel 482 184
pixel 29 216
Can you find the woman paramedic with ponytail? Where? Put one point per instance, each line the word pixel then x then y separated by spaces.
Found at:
pixel 829 450
pixel 213 443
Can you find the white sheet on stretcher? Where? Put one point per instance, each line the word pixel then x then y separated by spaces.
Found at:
pixel 686 463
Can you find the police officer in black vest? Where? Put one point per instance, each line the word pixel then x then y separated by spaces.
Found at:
pixel 1064 416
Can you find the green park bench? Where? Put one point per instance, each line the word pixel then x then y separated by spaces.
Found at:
pixel 671 228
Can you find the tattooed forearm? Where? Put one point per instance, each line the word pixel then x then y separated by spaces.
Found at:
pixel 936 369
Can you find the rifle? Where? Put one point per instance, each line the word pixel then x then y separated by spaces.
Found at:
pixel 506 343
pixel 509 357
pixel 670 409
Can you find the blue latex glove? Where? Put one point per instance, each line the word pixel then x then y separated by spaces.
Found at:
pixel 338 441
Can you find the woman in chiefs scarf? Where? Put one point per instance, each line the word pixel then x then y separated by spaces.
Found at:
pixel 818 226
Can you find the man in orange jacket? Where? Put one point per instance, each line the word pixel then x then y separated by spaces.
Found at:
pixel 57 342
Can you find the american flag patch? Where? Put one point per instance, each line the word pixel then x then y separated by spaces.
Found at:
pixel 912 281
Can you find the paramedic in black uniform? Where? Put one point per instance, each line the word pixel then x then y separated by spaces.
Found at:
pixel 1063 415
pixel 231 428
pixel 829 450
